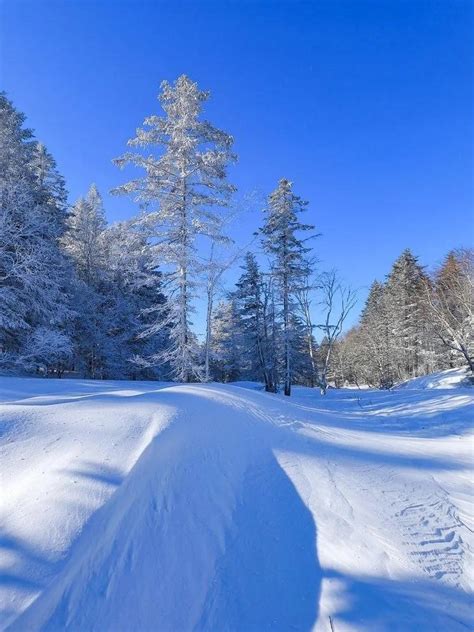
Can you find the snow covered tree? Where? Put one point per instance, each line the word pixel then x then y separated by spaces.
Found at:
pixel 84 239
pixel 225 350
pixel 34 275
pixel 84 242
pixel 214 268
pixel 375 353
pixel 403 321
pixel 450 299
pixel 47 350
pixel 117 283
pixel 52 189
pixel 404 295
pixel 183 187
pixel 134 291
pixel 254 306
pixel 287 252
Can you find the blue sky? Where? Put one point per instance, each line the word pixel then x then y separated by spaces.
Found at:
pixel 365 106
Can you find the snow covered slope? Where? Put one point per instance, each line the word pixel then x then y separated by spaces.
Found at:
pixel 452 378
pixel 143 506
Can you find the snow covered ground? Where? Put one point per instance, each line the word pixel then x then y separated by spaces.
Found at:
pixel 143 506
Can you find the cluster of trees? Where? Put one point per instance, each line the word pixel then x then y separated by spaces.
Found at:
pixel 74 292
pixel 413 324
pixel 80 296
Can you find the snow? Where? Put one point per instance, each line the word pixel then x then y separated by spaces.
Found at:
pixel 152 506
pixel 453 378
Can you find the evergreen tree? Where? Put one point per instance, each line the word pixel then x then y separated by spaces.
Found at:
pixel 117 284
pixel 84 239
pixel 135 291
pixel 254 308
pixel 287 252
pixel 180 192
pixel 406 309
pixel 376 352
pixel 84 242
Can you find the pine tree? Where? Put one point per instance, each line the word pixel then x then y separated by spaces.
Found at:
pixel 254 308
pixel 84 239
pixel 405 304
pixel 376 352
pixel 180 193
pixel 287 252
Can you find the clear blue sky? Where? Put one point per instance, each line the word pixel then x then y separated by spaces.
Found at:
pixel 366 106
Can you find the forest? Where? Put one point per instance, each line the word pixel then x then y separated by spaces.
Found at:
pixel 83 298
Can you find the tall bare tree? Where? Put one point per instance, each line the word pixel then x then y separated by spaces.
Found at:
pixel 336 303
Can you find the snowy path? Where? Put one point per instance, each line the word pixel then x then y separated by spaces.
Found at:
pixel 137 506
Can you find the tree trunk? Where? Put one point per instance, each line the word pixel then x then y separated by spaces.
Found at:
pixel 208 331
pixel 287 389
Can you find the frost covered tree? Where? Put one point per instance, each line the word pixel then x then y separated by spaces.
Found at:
pixel 84 242
pixel 116 285
pixel 411 324
pixel 34 274
pixel 450 299
pixel 133 290
pixel 375 352
pixel 225 347
pixel 184 186
pixel 406 312
pixel 84 239
pixel 254 304
pixel 287 253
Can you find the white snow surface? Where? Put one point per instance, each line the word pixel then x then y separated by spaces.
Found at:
pixel 133 506
pixel 453 378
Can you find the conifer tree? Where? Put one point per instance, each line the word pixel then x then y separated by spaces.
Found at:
pixel 374 333
pixel 253 304
pixel 84 239
pixel 405 305
pixel 287 252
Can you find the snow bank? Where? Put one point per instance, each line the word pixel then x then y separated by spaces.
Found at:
pixel 452 378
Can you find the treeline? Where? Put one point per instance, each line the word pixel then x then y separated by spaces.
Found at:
pixel 412 324
pixel 82 297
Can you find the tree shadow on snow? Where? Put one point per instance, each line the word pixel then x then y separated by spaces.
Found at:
pixel 26 576
pixel 96 472
pixel 379 604
pixel 269 577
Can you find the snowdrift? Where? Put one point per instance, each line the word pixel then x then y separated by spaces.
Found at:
pixel 453 378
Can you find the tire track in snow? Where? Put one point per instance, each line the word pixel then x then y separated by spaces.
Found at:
pixel 433 533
